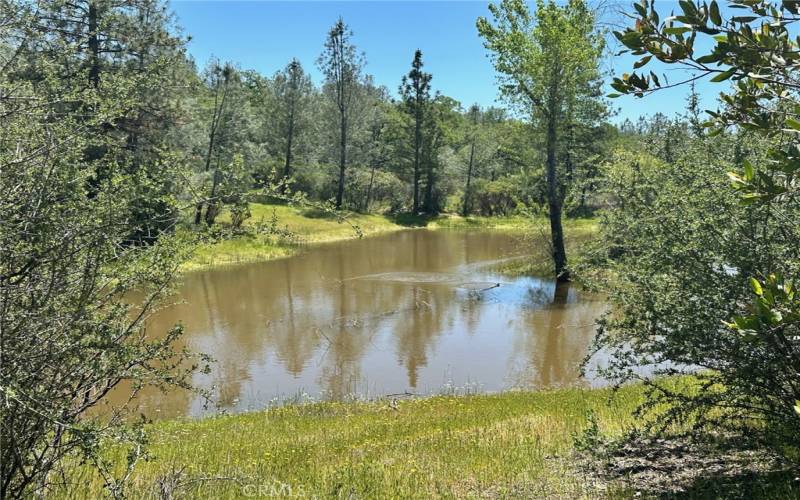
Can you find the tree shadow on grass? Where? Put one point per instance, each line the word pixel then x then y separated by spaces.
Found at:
pixel 316 213
pixel 683 467
pixel 774 484
pixel 411 220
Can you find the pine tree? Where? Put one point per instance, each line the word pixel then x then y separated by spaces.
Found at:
pixel 415 91
pixel 342 67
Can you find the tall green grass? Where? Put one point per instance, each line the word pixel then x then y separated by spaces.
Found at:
pixel 511 444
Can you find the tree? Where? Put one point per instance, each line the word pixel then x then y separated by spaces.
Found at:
pixel 292 88
pixel 415 91
pixel 69 330
pixel 739 313
pixel 549 62
pixel 219 80
pixel 375 147
pixel 342 67
pixel 438 130
pixel 228 131
pixel 93 42
pixel 473 116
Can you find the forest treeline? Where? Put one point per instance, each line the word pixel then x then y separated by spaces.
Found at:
pixel 229 130
pixel 365 148
pixel 113 142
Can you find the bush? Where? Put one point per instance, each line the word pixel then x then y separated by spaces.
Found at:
pixel 709 249
pixel 388 192
pixel 317 181
pixel 680 253
pixel 499 197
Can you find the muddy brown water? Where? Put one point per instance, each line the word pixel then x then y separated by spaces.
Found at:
pixel 415 311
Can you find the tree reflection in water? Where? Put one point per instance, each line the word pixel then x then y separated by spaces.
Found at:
pixel 405 311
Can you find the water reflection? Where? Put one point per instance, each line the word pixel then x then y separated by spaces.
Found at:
pixel 410 311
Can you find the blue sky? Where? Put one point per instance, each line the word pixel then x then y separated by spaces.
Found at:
pixel 265 35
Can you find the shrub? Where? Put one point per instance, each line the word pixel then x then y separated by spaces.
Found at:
pixel 681 251
pixel 498 197
pixel 709 249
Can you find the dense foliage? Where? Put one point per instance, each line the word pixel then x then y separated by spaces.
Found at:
pixel 118 154
pixel 88 199
pixel 703 241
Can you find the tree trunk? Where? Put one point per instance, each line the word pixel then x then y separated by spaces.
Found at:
pixel 369 189
pixel 582 204
pixel 465 209
pixel 560 294
pixel 429 209
pixel 212 134
pixel 212 207
pixel 417 144
pixel 554 202
pixel 287 167
pixel 198 209
pixel 342 161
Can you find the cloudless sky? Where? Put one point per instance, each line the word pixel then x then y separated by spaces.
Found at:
pixel 265 35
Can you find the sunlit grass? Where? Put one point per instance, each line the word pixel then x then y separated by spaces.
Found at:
pixel 516 444
pixel 305 225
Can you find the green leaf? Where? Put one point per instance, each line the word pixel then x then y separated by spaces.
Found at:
pixel 655 79
pixel 797 407
pixel 724 75
pixel 714 13
pixel 736 178
pixel 678 30
pixel 756 286
pixel 708 58
pixel 641 62
pixel 749 170
pixel 792 123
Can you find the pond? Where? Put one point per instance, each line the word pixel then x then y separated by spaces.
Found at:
pixel 414 311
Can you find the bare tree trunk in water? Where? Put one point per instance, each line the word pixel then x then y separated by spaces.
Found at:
pixel 554 202
pixel 560 294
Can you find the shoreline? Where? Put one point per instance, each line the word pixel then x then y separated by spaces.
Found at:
pixel 310 229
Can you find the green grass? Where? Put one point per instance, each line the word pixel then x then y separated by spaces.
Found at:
pixel 517 444
pixel 306 226
pixel 312 226
pixel 508 445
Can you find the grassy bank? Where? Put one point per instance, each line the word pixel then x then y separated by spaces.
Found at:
pixel 517 444
pixel 304 226
pixel 507 445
